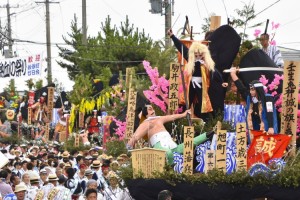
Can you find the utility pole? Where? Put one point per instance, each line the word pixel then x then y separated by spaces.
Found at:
pixel 157 7
pixel 48 40
pixel 168 22
pixel 9 34
pixel 84 28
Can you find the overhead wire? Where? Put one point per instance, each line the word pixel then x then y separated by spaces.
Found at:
pixel 225 9
pixel 205 8
pixel 198 9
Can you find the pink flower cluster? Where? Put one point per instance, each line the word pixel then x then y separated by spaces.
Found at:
pixel 120 131
pixel 272 88
pixel 275 26
pixel 158 92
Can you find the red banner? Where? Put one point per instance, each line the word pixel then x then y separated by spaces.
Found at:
pixel 265 147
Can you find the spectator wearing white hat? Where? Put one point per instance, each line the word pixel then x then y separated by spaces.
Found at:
pixel 20 191
pixel 34 186
pixel 50 190
pixel 44 176
pixel 113 191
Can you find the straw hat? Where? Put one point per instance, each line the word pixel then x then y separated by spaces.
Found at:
pixel 96 164
pixel 65 154
pixel 20 187
pixel 52 177
pixel 88 172
pixel 112 175
pixel 34 178
pixel 116 163
pixel 43 171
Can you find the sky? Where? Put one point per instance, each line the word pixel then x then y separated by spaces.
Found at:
pixel 28 23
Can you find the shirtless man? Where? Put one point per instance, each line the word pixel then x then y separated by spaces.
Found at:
pixel 160 138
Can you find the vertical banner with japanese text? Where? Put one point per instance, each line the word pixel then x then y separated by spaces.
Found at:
pixel 50 104
pixel 221 150
pixel 290 99
pixel 174 85
pixel 188 150
pixel 130 113
pixel 241 146
pixel 210 160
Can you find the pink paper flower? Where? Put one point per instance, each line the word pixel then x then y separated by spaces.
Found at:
pixel 273 42
pixel 275 26
pixel 257 32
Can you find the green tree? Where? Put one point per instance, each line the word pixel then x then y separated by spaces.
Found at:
pixel 116 48
pixel 246 15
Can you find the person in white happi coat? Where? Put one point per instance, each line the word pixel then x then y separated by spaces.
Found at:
pixel 63 193
pixel 98 175
pixel 113 191
pixel 34 187
pixel 49 188
pixel 92 184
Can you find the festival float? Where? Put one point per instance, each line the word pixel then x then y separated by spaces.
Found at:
pixel 234 164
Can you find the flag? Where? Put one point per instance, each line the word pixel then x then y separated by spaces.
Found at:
pixel 265 147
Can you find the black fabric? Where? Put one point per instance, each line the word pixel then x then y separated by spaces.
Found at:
pixel 141 101
pixel 224 46
pixel 98 87
pixel 257 58
pixel 39 92
pixel 61 99
pixel 114 80
pixel 149 189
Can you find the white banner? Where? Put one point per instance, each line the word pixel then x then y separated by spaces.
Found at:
pixel 21 67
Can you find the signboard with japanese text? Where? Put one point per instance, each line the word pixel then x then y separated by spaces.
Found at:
pixel 130 113
pixel 76 141
pixel 210 160
pixel 81 120
pixel 50 103
pixel 147 161
pixel 290 99
pixel 47 130
pixel 188 150
pixel 174 86
pixel 221 150
pixel 241 146
pixel 21 67
pixel 265 147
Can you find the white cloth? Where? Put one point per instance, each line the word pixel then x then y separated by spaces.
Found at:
pixel 63 193
pixel 31 193
pixel 116 194
pixel 274 53
pixel 196 81
pixel 47 188
pixel 164 138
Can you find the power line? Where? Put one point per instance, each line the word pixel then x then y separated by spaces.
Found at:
pixel 225 8
pixel 198 9
pixel 106 61
pixel 267 8
pixel 205 8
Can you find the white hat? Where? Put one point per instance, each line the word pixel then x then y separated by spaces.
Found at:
pixel 52 177
pixel 20 187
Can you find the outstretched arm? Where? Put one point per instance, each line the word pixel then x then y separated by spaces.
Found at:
pixel 170 118
pixel 140 132
pixel 179 45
